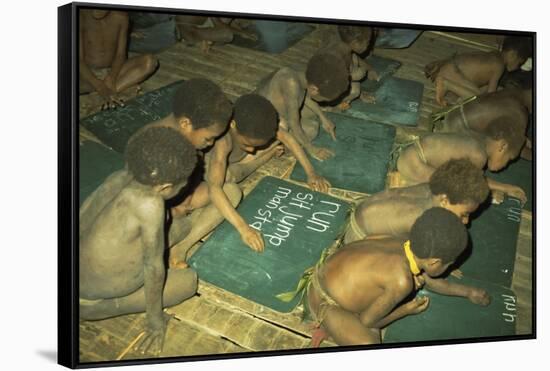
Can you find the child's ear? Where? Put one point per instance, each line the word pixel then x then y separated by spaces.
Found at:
pixel 312 90
pixel 164 187
pixel 185 124
pixel 434 261
pixel 443 200
pixel 233 124
pixel 502 145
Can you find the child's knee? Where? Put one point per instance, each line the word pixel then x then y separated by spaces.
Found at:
pixel 233 193
pixel 150 62
pixel 185 283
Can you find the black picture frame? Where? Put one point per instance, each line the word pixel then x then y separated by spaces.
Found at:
pixel 68 184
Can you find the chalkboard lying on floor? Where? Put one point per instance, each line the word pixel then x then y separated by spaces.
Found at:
pixel 384 67
pixel 397 103
pixel 115 127
pixel 491 254
pixel 273 36
pixel 520 173
pixel 449 317
pixel 297 225
pixel 97 162
pixel 396 38
pixel 362 152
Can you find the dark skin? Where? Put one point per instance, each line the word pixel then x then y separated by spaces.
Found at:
pixel 222 30
pixel 214 194
pixel 442 147
pixel 394 211
pixel 369 279
pixel 296 103
pixel 511 103
pixel 228 161
pixel 358 67
pixel 122 246
pixel 478 73
pixel 103 38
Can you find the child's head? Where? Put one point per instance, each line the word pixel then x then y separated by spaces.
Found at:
pixel 161 158
pixel 437 239
pixel 255 122
pixel 202 111
pixel 505 139
pixel 357 37
pixel 327 77
pixel 460 187
pixel 515 51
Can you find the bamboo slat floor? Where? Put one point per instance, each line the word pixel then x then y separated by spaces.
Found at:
pixel 216 321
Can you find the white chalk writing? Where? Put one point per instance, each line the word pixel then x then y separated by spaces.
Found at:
pixel 285 209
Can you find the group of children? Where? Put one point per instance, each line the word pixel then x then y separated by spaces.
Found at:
pixel 182 173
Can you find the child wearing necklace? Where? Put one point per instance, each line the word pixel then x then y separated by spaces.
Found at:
pixel 360 289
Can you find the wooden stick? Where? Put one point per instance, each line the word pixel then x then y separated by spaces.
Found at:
pixel 125 351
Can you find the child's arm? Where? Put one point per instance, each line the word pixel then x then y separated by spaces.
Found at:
pixel 150 214
pixel 325 121
pixel 293 116
pixel 316 182
pixel 120 54
pixel 216 178
pixel 444 287
pixel 86 72
pixel 383 311
pixel 495 78
pixel 509 189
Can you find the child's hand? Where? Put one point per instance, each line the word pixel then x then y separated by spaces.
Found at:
pixel 517 192
pixel 279 150
pixel 318 183
pixel 252 238
pixel 320 153
pixel 344 106
pixel 497 197
pixel 479 296
pixel 329 127
pixel 155 330
pixel 367 97
pixel 373 75
pixel 418 305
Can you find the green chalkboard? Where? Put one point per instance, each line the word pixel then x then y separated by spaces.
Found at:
pixel 273 36
pixel 297 225
pixel 397 103
pixel 520 173
pixel 491 254
pixel 384 67
pixel 97 162
pixel 450 317
pixel 362 152
pixel 115 127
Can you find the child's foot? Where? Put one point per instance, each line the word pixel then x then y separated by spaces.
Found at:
pixel 317 337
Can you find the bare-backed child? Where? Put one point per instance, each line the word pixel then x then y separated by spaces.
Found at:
pixel 501 144
pixel 512 103
pixel 123 239
pixel 353 42
pixel 201 113
pixel 475 73
pixel 103 59
pixel 360 289
pixel 295 95
pixel 207 31
pixel 458 186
